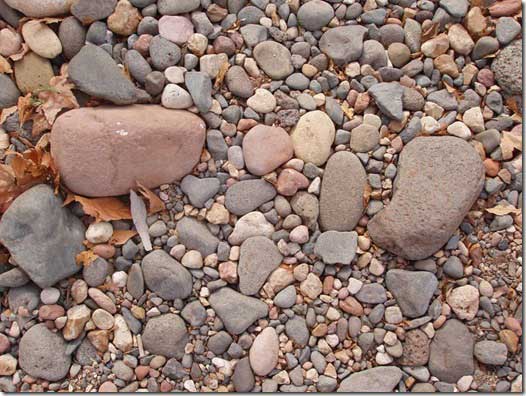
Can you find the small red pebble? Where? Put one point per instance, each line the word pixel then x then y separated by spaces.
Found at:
pixel 50 312
pixel 485 77
pixel 166 386
pixel 108 386
pixel 5 345
pixel 141 372
pixel 104 251
pixel 492 167
pixel 290 181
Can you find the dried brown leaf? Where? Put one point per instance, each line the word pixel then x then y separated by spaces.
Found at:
pixel 86 257
pixel 138 211
pixel 20 54
pixel 120 237
pixel 430 32
pixel 221 75
pixel 6 113
pixel 102 209
pixel 503 208
pixel 26 108
pixel 154 202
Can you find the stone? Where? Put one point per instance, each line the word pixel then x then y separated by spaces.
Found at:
pixel 258 257
pixel 274 59
pixel 175 7
pixel 313 136
pixel 89 11
pixel 163 55
pixel 78 316
pixel 364 138
pixel 265 148
pixel 311 286
pixel 399 54
pixel 99 232
pixel 263 354
pixel 236 310
pixel 200 87
pixel 286 298
pixel 343 44
pixel 507 29
pixel 72 35
pixel 7 364
pixel 27 297
pixel 373 54
pixel 491 352
pixel 484 46
pixel 262 101
pixel 125 18
pixel 315 14
pixel 102 319
pixel 247 195
pixel 238 82
pixel 196 236
pixel 459 39
pixel 243 378
pixel 297 331
pixel 211 64
pixel 412 290
pixel 94 72
pixel 32 72
pixel 460 130
pixel 194 313
pixel 165 335
pixel 428 204
pixel 97 149
pixel 453 267
pixel 372 293
pixel 175 97
pixel 95 273
pixel 335 247
pixel 122 337
pixel 250 225
pixel 165 276
pixel 415 349
pixel 14 277
pixel 377 379
pixel 38 347
pixel 342 189
pixel 451 352
pixel 40 8
pixel 456 8
pixel 464 301
pixel 41 39
pixel 199 190
pixel 135 281
pixel 507 68
pixel 45 260
pixel 388 98
pixel 9 92
pixel 436 46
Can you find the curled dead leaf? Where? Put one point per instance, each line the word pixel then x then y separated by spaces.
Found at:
pixel 20 54
pixel 85 258
pixel 503 208
pixel 102 209
pixel 154 202
pixel 7 112
pixel 120 237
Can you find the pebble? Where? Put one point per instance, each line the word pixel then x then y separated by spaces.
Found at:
pixel 464 301
pixel 254 269
pixel 165 335
pixel 312 137
pixel 263 353
pixel 266 55
pixel 335 247
pixel 165 276
pixel 491 352
pixel 41 39
pixel 262 101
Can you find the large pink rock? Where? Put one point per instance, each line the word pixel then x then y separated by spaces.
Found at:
pixel 103 151
pixel 265 148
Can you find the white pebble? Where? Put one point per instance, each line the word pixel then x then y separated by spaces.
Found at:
pixel 49 295
pixel 99 232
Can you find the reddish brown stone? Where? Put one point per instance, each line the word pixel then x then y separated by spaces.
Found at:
pixel 505 8
pixel 290 181
pixel 103 151
pixel 50 312
pixel 416 349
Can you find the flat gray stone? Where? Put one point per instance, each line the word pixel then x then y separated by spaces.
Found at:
pixel 42 236
pixel 412 290
pixel 200 87
pixel 236 310
pixel 491 352
pixel 165 335
pixel 199 190
pixel 246 195
pixel 388 98
pixel 344 44
pixel 27 296
pixel 274 58
pixel 286 298
pixel 297 331
pixel 175 7
pixel 196 236
pixel 315 14
pixel 89 11
pixel 238 82
pixel 243 378
pixel 9 92
pixel 372 293
pixel 14 277
pixel 336 247
pixel 135 281
pixel 377 379
pixel 428 204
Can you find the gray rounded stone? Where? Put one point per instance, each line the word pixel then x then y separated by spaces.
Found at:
pixel 165 335
pixel 274 58
pixel 247 195
pixel 377 379
pixel 163 53
pixel 491 352
pixel 72 36
pixel 239 83
pixel 335 247
pixel 315 14
pixel 196 236
pixel 344 44
pixel 9 92
pixel 199 190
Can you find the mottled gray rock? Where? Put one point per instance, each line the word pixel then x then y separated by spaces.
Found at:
pixel 491 352
pixel 258 257
pixel 196 236
pixel 236 310
pixel 456 8
pixel 94 72
pixel 507 67
pixel 507 29
pixel 274 58
pixel 27 296
pixel 238 82
pixel 297 331
pixel 335 247
pixel 243 378
pixel 444 99
pixel 199 190
pixel 200 87
pixel 342 189
pixel 219 342
pixel 451 353
pixel 163 53
pixel 344 44
pixel 72 36
pixel 315 14
pixel 175 7
pixel 286 298
pixel 165 276
pixel 138 66
pixel 372 293
pixel 165 335
pixel 246 195
pixel 38 348
pixel 194 313
pixel 377 379
pixel 388 98
pixel 135 281
pixel 412 290
pixel 428 204
pixel 9 92
pixel 89 11
pixel 43 237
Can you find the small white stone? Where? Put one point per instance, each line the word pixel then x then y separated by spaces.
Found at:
pixel 383 358
pixel 464 383
pixel 175 97
pixel 99 232
pixel 390 338
pixel 429 125
pixel 459 129
pixel 49 295
pixel 119 278
pixel 262 101
pixel 197 43
pixel 175 74
pixel 189 385
pixel 354 285
pixel 192 259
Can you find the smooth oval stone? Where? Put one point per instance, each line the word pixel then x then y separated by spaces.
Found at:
pixel 165 335
pixel 315 14
pixel 41 8
pixel 263 353
pixel 274 59
pixel 376 379
pixel 41 39
pixel 265 148
pixel 439 179
pixel 246 195
pixel 344 44
pixel 313 137
pixel 32 72
pixel 9 92
pixel 72 35
pixel 342 189
pixel 104 151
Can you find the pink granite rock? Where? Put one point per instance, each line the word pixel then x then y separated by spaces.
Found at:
pixel 177 29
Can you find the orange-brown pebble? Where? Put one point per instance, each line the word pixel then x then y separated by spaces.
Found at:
pixel 492 167
pixel 141 372
pixel 104 251
pixel 107 386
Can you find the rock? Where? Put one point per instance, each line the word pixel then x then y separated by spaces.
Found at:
pixel 95 273
pixel 14 277
pixel 176 29
pixel 286 298
pixel 451 352
pixel 27 296
pixel 165 335
pixel 453 267
pixel 274 59
pixel 97 149
pixel 372 293
pixel 336 247
pixel 507 29
pixel 72 35
pixel 196 236
pixel 175 97
pixel 342 189
pixel 247 195
pixel 40 8
pixel 507 68
pixel 89 11
pixel 258 257
pixel 464 301
pixel 263 353
pixel 399 54
pixel 219 342
pixel 424 211
pixel 312 137
pixel 374 54
pixel 122 337
pixel 32 72
pixel 165 276
pixel 38 347
pixel 311 286
pixel 78 316
pixel 250 225
pixel 200 87
pixel 199 190
pixel 315 14
pixel 265 148
pixel 7 364
pixel 41 39
pixel 456 8
pixel 343 44
pixel 135 282
pixel 9 93
pixel 174 7
pixel 377 379
pixel 194 313
pixel 436 46
pixel 238 82
pixel 243 378
pixel 491 352
pixel 99 232
pixel 125 19
pixel 459 39
pixel 412 290
pixel 237 311
pixel 45 260
pixel 262 101
pixel 94 72
pixel 364 138
pixel 415 349
pixel 164 54
pixel 297 331
pixel 388 98
pixel 484 46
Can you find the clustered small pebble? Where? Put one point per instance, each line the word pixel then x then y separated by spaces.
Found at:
pixel 342 190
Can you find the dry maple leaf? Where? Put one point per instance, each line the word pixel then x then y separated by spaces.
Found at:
pixel 58 96
pixel 154 202
pixel 120 237
pixel 102 209
pixel 86 257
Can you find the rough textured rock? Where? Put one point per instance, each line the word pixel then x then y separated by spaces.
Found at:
pixel 165 276
pixel 412 290
pixel 263 353
pixel 388 98
pixel 342 189
pixel 165 335
pixel 38 347
pixel 25 231
pixel 428 204
pixel 377 379
pixel 9 92
pixel 237 311
pixel 507 67
pixel 343 44
pixel 451 353
pixel 196 236
pixel 246 195
pixel 258 258
pixel 97 150
pixel 335 247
